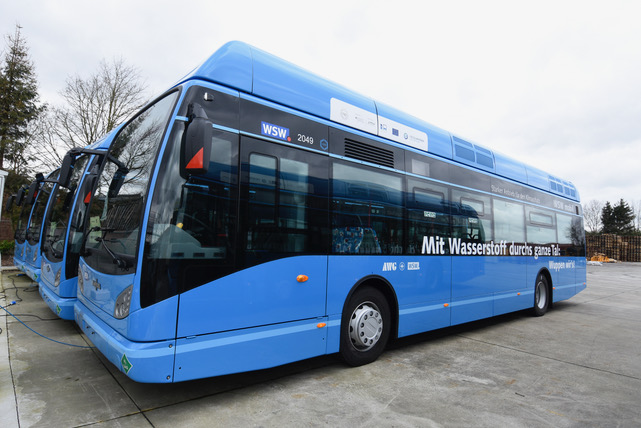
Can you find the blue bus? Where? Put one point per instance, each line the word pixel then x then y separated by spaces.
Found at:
pixel 63 227
pixel 19 200
pixel 262 215
pixel 39 192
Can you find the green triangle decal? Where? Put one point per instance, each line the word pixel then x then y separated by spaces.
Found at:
pixel 126 365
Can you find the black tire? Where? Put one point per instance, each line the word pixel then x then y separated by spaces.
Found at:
pixel 365 327
pixel 542 296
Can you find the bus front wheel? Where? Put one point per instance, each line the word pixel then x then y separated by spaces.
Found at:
pixel 365 327
pixel 541 296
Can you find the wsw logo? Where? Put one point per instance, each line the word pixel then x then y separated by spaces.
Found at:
pixel 275 131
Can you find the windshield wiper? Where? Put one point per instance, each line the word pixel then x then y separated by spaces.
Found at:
pixel 119 261
pixel 56 254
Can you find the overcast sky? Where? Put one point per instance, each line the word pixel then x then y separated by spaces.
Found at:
pixel 556 84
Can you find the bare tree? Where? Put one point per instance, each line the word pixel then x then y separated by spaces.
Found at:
pixel 46 150
pixel 592 215
pixel 93 107
pixel 636 207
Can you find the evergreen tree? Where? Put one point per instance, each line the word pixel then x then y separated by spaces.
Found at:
pixel 618 220
pixel 623 218
pixel 607 218
pixel 18 102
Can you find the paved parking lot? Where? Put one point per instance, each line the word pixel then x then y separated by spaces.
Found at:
pixel 578 366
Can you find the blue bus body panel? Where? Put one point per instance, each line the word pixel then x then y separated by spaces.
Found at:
pixel 31 266
pixel 581 273
pixel 62 297
pixel 282 82
pixel 510 168
pixel 48 271
pixel 420 283
pixel 157 322
pixel 230 65
pixel 63 307
pixel 564 276
pixel 537 178
pixel 141 361
pixel 261 295
pixel 478 294
pixel 253 71
pixel 249 349
pixel 18 255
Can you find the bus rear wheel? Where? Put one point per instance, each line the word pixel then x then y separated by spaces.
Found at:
pixel 365 327
pixel 541 296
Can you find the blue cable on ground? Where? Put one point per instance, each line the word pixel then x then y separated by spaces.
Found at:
pixel 42 335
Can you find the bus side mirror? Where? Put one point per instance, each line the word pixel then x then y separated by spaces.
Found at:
pixel 196 143
pixel 20 196
pixel 66 169
pixel 10 201
pixel 88 187
pixel 32 193
pixel 116 182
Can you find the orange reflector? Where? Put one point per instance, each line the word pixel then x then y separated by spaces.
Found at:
pixel 302 278
pixel 88 198
pixel 445 305
pixel 321 325
pixel 197 161
pixel 518 294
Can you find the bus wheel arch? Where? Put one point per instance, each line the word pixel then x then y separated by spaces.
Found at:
pixel 371 303
pixel 542 293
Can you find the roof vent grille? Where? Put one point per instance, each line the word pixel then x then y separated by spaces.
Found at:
pixel 368 153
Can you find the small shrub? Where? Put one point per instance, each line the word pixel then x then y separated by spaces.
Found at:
pixel 6 247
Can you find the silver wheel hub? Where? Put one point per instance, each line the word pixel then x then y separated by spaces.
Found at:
pixel 541 295
pixel 365 326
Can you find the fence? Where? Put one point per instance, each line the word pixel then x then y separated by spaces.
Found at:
pixel 621 248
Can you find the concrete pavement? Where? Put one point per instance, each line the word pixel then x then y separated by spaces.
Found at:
pixel 578 366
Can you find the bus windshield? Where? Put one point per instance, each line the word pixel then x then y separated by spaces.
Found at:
pixel 35 225
pixel 23 220
pixel 55 230
pixel 115 211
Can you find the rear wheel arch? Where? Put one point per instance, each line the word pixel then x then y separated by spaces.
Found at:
pixel 369 319
pixel 543 292
pixel 382 285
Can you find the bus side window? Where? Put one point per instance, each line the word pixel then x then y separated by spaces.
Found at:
pixel 367 211
pixel 472 216
pixel 571 235
pixel 541 226
pixel 509 221
pixel 428 212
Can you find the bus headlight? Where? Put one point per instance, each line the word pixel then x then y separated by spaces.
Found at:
pixel 56 281
pixel 122 303
pixel 81 283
